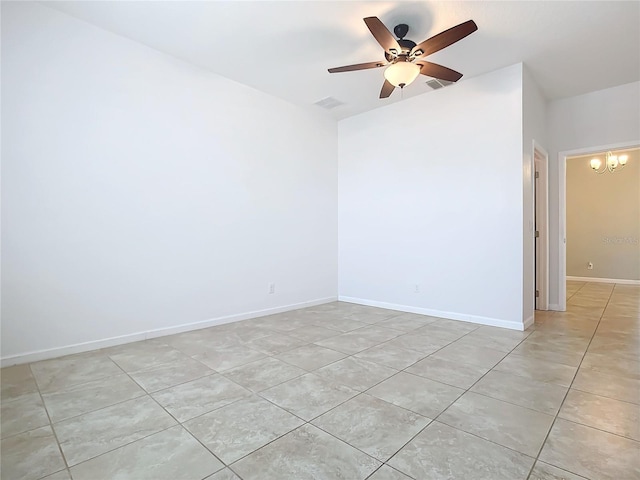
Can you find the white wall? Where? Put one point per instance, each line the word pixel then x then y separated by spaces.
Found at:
pixel 534 130
pixel 142 193
pixel 605 117
pixel 430 194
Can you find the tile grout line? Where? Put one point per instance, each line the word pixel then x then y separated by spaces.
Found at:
pixel 359 393
pixel 308 422
pixel 55 435
pixel 457 398
pixel 546 438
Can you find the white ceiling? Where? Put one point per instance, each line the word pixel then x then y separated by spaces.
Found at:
pixel 285 48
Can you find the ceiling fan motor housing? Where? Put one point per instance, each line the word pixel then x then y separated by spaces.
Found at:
pixel 406 46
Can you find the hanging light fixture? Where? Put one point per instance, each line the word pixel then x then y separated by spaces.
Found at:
pixel 612 163
pixel 402 72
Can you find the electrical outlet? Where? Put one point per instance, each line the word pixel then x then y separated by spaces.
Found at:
pixel 589 266
pixel 416 288
pixel 272 288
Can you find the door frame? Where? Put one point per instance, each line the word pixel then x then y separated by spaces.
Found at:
pixel 562 214
pixel 541 219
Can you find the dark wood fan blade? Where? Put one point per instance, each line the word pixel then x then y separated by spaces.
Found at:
pixel 357 66
pixel 444 39
pixel 382 34
pixel 438 71
pixel 387 89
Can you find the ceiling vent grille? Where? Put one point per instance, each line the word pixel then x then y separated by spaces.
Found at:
pixel 329 103
pixel 436 84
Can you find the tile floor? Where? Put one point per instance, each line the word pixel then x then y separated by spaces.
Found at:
pixel 342 391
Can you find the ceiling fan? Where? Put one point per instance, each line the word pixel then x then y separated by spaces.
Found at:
pixel 404 57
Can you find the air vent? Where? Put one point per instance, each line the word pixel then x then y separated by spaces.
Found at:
pixel 436 84
pixel 329 103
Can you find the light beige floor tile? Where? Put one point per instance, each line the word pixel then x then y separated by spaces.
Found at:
pixel 592 453
pixel 568 327
pixel 376 427
pixel 622 344
pixel 310 357
pixel 387 473
pixel 604 413
pixel 558 342
pixel 62 475
pixel 72 370
pixel 238 429
pixel 589 300
pixel 526 392
pixel 229 356
pixel 611 364
pixel 313 333
pixel 543 471
pixel 169 374
pixel 16 381
pixel 200 396
pixel 308 396
pixel 418 394
pixel 625 310
pixel 225 474
pixel 95 433
pixel 284 322
pixel 22 414
pixel 134 357
pixel 168 455
pixel 501 333
pixel 307 453
pixel 440 452
pixel 618 388
pixel 339 324
pixel 452 373
pixel 537 369
pixel 579 313
pixel 536 351
pixel 90 396
pixel 263 374
pixel 455 325
pixel 358 340
pixel 441 333
pixel 275 343
pixel 30 455
pixel 237 332
pixel 407 322
pixel 424 344
pixel 510 425
pixel 198 342
pixel 391 355
pixel 619 325
pixel 372 315
pixel 500 344
pixel 471 354
pixel 355 373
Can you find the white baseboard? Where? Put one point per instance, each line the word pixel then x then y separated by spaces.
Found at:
pixel 622 281
pixel 38 355
pixel 529 321
pixel 494 322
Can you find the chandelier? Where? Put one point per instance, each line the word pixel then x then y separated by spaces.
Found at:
pixel 612 163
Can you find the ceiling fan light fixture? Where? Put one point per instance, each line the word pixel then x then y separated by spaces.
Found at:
pixel 401 74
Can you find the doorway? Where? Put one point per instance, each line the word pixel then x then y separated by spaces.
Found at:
pixel 562 220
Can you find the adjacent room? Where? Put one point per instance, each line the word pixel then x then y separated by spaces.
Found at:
pixel 356 240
